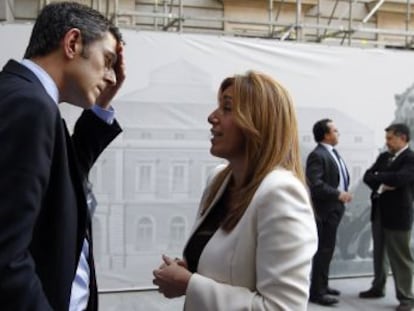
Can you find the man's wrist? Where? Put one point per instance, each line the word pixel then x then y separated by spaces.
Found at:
pixel 107 115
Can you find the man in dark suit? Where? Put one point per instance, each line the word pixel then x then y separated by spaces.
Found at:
pixel 328 181
pixel 391 179
pixel 74 56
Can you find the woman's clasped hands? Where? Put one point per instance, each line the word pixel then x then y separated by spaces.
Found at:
pixel 172 277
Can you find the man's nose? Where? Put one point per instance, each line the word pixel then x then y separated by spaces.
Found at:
pixel 110 76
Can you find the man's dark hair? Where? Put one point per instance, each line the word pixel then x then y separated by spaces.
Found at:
pixel 321 128
pixel 56 19
pixel 399 129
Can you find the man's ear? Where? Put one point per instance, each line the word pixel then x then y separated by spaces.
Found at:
pixel 405 138
pixel 72 43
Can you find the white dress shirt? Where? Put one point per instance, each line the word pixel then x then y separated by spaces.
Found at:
pixel 341 167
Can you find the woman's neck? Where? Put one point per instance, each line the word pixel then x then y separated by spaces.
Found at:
pixel 238 171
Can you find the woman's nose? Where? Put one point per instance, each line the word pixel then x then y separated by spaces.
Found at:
pixel 212 118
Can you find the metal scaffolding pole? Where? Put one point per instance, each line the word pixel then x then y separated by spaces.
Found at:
pixel 165 19
pixel 180 16
pixel 155 11
pixel 270 18
pixel 372 12
pixel 408 42
pixel 350 22
pixel 116 9
pixel 318 18
pixel 298 26
pixel 329 21
pixel 279 8
pixel 107 9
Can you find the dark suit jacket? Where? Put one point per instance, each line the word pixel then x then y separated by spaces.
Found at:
pixel 395 205
pixel 43 212
pixel 322 176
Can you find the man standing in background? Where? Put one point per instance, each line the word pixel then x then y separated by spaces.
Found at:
pixel 391 179
pixel 75 55
pixel 328 181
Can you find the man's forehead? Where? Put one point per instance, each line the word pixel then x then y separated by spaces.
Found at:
pixel 106 38
pixel 392 134
pixel 331 125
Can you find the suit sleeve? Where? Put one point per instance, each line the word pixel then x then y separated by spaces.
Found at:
pixel 286 242
pixel 319 188
pixel 370 177
pixel 403 175
pixel 27 136
pixel 90 137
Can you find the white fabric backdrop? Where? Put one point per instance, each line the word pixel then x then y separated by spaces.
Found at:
pixel 149 181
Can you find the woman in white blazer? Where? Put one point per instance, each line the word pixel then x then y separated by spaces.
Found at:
pixel 253 241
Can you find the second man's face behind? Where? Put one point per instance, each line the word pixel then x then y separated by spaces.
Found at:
pixel 332 136
pixel 394 142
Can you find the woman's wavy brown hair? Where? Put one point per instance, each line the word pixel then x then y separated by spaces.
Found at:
pixel 264 111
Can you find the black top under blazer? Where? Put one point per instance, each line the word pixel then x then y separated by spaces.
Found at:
pixel 43 211
pixel 395 205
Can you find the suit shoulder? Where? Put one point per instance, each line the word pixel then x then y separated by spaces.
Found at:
pixel 317 155
pixel 25 94
pixel 318 151
pixel 410 152
pixel 409 155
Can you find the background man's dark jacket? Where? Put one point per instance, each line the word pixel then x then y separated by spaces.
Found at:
pixel 395 205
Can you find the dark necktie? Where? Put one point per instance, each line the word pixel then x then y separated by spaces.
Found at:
pixel 343 169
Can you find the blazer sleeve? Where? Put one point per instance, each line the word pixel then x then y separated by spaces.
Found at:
pixel 401 175
pixel 27 136
pixel 315 171
pixel 370 178
pixel 286 242
pixel 91 136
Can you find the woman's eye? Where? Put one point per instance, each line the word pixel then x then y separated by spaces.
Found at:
pixel 227 106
